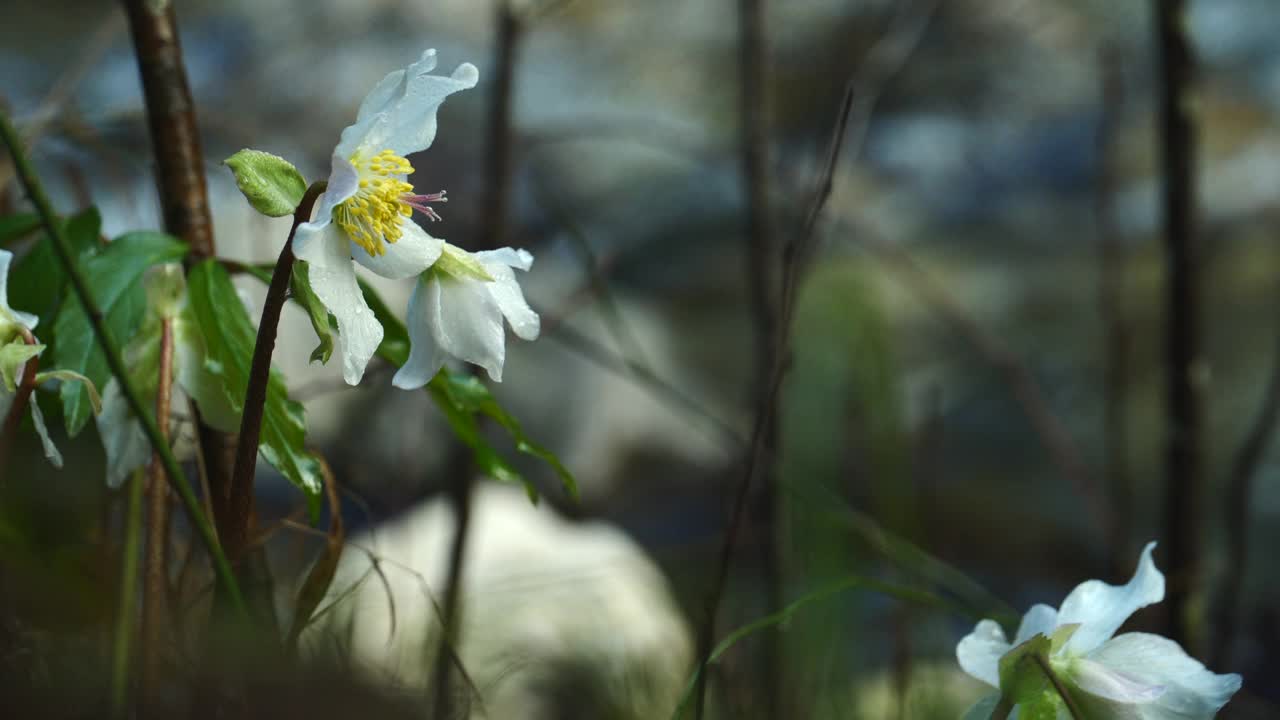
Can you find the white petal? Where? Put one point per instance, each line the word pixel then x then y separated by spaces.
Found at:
pixel 27 319
pixel 385 92
pixel 467 322
pixel 519 259
pixel 344 181
pixel 333 277
pixel 1101 608
pixel 1190 690
pixel 6 258
pixel 37 418
pixel 122 435
pixel 980 651
pixel 407 257
pixel 1110 684
pixel 400 113
pixel 1039 620
pixel 982 709
pixel 426 357
pixel 506 292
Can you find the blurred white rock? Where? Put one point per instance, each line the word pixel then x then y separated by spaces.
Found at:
pixel 553 611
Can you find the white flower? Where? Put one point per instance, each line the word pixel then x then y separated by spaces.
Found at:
pixel 366 210
pixel 14 355
pixel 457 309
pixel 125 442
pixel 1136 676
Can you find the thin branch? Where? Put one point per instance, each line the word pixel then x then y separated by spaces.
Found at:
pixel 1057 441
pixel 498 163
pixel 864 86
pixel 1185 362
pixel 239 502
pixel 114 360
pixel 156 573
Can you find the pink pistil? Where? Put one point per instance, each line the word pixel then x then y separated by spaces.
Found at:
pixel 419 203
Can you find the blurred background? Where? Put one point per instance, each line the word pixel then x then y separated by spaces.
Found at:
pixel 976 368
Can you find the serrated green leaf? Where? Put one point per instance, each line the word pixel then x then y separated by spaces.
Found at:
pixel 300 282
pixel 271 184
pixel 38 281
pixel 464 399
pixel 114 276
pixel 14 227
pixel 229 338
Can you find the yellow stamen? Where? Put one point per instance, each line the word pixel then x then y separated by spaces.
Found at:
pixel 372 217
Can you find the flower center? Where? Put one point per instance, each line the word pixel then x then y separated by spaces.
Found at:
pixel 373 216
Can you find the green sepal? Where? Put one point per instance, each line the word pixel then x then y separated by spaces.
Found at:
pixel 70 376
pixel 1022 671
pixel 13 356
pixel 271 184
pixel 459 263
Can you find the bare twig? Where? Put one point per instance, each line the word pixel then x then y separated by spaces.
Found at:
pixel 863 87
pixel 155 586
pixel 1185 362
pixel 1026 391
pixel 493 231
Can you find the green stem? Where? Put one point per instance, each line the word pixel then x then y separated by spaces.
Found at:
pixel 127 611
pixel 114 360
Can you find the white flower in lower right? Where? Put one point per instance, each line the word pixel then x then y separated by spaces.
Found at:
pixel 1135 676
pixel 457 310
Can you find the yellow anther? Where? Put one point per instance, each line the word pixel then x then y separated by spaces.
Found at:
pixel 373 216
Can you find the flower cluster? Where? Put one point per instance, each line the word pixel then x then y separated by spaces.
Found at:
pixel 1134 675
pixel 366 214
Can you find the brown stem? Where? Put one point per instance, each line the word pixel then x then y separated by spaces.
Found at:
pixel 234 531
pixel 493 231
pixel 754 81
pixel 1185 362
pixel 155 578
pixel 26 385
pixel 171 118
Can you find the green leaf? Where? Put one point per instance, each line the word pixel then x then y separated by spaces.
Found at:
pixel 13 227
pixel 464 399
pixel 300 281
pixel 468 394
pixel 114 276
pixel 271 184
pixel 37 283
pixel 229 338
pixel 68 376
